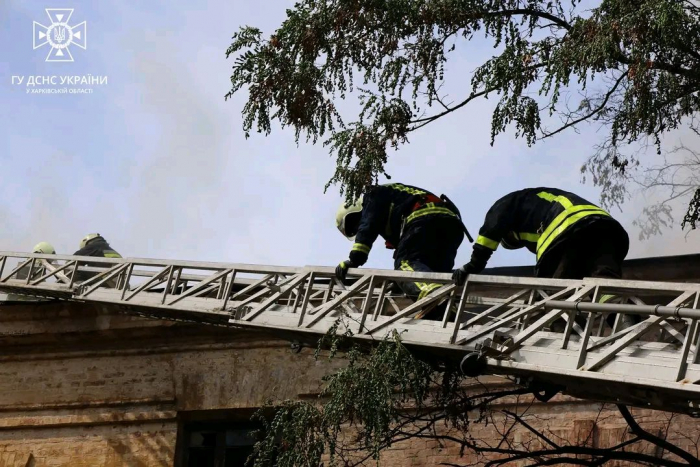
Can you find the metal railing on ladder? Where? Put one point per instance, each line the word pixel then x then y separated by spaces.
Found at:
pixel 496 325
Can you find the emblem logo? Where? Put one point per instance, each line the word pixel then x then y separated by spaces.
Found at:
pixel 60 35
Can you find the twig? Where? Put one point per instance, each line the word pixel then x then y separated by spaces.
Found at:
pixel 646 436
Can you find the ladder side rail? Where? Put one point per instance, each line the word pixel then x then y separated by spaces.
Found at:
pixel 645 326
pixel 326 308
pixel 54 271
pixel 667 326
pixel 583 346
pixel 155 280
pixel 569 326
pixel 202 284
pixel 431 298
pixel 511 319
pixel 307 297
pixel 101 279
pixel 285 289
pixel 16 270
pixel 626 286
pixel 689 335
pixel 554 313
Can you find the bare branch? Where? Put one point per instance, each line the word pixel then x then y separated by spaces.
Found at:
pixel 645 435
pixel 591 113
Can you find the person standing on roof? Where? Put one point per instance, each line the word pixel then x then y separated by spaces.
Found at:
pixel 571 237
pixel 425 231
pixel 95 245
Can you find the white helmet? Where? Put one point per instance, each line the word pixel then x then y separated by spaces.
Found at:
pixel 45 248
pixel 87 238
pixel 347 219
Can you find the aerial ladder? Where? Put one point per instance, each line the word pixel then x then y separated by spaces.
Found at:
pixel 496 325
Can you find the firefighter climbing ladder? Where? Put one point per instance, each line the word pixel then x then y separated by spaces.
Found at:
pixel 505 323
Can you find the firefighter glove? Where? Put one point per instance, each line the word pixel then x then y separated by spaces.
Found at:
pixel 341 271
pixel 459 276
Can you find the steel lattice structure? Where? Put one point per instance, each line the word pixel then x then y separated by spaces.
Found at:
pixel 505 320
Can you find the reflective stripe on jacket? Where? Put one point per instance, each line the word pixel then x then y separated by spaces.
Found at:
pixel 387 209
pixel 534 218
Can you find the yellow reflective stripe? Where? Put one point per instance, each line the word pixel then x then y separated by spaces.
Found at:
pixel 361 247
pixel 429 210
pixel 563 215
pixel 563 221
pixel 487 242
pixel 606 298
pixel 424 288
pixel 114 254
pixel 413 191
pixel 427 289
pixel 528 237
pixel 563 200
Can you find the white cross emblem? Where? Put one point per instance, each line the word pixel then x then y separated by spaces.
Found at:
pixel 59 35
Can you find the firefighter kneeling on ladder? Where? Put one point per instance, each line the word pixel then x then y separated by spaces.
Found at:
pixel 95 245
pixel 571 237
pixel 425 231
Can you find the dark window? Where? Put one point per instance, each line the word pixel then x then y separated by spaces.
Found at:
pixel 217 444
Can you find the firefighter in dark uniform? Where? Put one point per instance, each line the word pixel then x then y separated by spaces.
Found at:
pixel 424 230
pixel 571 237
pixel 95 245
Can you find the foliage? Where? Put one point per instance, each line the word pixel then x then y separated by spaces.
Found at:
pixel 388 394
pixel 367 394
pixel 636 64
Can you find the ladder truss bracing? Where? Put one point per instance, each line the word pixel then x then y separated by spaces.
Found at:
pixel 545 332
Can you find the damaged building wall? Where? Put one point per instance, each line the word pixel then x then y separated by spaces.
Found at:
pixel 81 387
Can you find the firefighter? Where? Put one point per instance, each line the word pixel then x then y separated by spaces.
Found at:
pixel 37 271
pixel 571 237
pixel 44 248
pixel 425 231
pixel 95 245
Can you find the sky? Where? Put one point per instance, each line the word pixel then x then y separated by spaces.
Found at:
pixel 157 162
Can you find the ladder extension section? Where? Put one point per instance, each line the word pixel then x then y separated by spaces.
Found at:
pixel 524 327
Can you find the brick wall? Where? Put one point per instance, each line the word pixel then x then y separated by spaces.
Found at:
pixel 82 388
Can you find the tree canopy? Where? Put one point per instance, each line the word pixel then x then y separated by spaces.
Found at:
pixel 635 62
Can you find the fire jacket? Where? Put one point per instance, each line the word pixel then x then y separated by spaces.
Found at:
pixel 534 218
pixel 387 210
pixel 99 248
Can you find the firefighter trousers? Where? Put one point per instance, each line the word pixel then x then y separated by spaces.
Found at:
pixel 428 245
pixel 597 250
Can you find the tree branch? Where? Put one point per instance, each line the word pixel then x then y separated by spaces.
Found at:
pixel 526 425
pixel 593 112
pixel 646 436
pixel 535 13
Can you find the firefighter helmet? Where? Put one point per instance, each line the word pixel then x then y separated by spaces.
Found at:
pixel 87 238
pixel 347 219
pixel 45 248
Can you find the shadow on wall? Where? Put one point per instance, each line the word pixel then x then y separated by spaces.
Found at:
pixel 143 449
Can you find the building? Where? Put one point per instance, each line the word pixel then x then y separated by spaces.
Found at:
pixel 82 387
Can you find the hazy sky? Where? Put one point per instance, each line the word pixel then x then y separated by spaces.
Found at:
pixel 157 162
